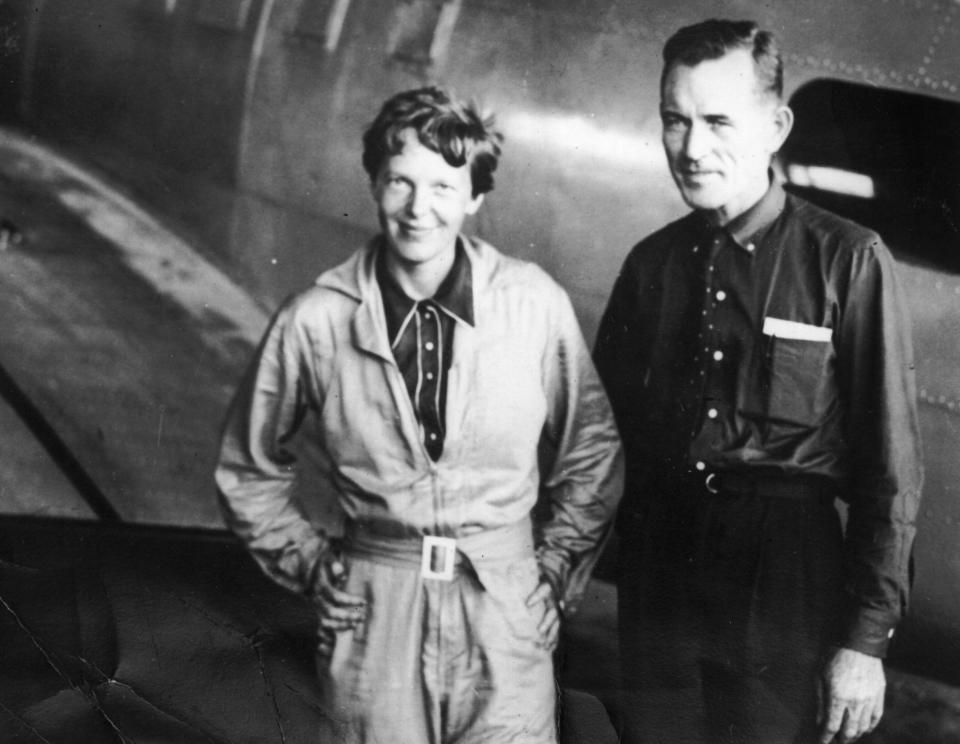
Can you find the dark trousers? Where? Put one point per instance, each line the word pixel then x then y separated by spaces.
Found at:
pixel 726 606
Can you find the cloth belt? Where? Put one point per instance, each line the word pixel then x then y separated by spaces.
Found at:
pixel 439 557
pixel 737 484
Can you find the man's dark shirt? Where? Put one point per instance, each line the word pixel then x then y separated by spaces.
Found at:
pixel 421 337
pixel 779 348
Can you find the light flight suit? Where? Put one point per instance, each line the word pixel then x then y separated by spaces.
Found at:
pixel 435 661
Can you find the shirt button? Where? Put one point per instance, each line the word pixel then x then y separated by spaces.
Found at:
pixel 721 295
pixel 718 355
pixel 433 437
pixel 429 375
pixel 751 247
pixel 701 465
pixel 428 346
pixel 712 413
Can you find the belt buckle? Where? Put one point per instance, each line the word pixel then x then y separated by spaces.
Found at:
pixel 709 484
pixel 447 547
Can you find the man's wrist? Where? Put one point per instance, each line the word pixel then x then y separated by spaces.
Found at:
pixel 868 632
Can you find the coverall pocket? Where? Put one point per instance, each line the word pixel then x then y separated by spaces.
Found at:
pixel 799 389
pixel 506 589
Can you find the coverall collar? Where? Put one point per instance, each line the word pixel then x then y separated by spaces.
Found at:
pixel 357 278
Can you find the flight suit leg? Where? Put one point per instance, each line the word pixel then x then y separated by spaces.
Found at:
pixel 438 662
pixel 505 662
pixel 371 687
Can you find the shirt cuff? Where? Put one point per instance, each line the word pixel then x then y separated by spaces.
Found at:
pixel 868 631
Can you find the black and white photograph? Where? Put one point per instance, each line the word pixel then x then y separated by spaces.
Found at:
pixel 479 372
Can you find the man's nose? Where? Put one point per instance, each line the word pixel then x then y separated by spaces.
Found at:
pixel 696 143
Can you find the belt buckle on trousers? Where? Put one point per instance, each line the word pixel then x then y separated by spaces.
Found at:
pixel 438 558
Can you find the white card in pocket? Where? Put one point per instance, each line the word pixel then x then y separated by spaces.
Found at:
pixel 794 330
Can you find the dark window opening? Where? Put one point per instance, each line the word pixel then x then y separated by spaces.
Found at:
pixel 887 159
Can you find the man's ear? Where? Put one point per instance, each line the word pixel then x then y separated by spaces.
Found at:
pixel 782 124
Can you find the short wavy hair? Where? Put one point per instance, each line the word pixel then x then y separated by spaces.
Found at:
pixel 714 38
pixel 451 128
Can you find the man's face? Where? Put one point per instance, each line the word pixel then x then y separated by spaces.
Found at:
pixel 422 202
pixel 720 133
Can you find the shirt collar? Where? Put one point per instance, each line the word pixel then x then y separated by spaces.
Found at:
pixel 454 295
pixel 745 228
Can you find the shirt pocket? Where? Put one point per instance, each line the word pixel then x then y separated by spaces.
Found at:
pixel 800 381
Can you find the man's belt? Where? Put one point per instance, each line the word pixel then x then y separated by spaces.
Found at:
pixel 738 484
pixel 438 557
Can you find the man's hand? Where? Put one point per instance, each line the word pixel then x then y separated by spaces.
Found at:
pixel 337 609
pixel 544 597
pixel 851 696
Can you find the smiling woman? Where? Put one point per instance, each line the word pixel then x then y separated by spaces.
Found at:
pixel 422 202
pixel 434 371
pixel 430 161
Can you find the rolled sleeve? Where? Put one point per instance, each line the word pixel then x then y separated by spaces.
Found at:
pixel 256 470
pixel 586 479
pixel 877 374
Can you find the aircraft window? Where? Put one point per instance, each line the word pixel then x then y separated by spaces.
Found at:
pixel 422 29
pixel 888 159
pixel 229 15
pixel 323 21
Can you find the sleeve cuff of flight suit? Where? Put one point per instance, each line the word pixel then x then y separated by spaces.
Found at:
pixel 869 632
pixel 319 552
pixel 555 568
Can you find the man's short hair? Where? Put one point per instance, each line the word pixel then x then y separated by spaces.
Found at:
pixel 712 39
pixel 451 128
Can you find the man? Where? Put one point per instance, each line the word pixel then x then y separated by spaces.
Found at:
pixel 433 369
pixel 758 359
